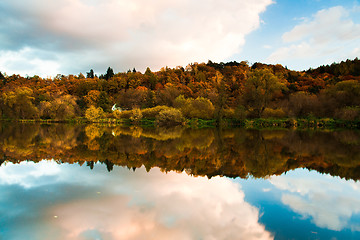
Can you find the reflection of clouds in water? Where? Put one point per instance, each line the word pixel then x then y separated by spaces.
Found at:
pixel 27 174
pixel 144 205
pixel 330 201
pixel 171 206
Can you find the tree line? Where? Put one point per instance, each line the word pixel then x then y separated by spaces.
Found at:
pixel 233 90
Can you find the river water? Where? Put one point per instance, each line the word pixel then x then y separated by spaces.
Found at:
pixel 63 181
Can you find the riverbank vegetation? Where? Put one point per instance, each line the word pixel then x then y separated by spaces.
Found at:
pixel 202 93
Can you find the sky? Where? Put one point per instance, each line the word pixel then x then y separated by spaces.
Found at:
pixel 47 38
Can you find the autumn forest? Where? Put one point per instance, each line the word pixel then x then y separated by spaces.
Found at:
pixel 208 91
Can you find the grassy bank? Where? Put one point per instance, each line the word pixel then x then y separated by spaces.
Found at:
pixel 324 123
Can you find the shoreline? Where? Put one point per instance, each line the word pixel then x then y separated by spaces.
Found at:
pixel 259 123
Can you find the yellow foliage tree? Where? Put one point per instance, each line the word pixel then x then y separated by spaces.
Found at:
pixel 94 113
pixel 61 108
pixel 195 108
pixel 19 103
pixel 92 97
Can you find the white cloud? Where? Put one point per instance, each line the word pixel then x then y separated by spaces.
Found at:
pixel 267 47
pixel 129 33
pixel 327 25
pixel 28 61
pixel 330 35
pixel 330 202
pixel 356 52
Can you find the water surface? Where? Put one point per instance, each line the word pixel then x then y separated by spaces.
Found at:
pixel 102 182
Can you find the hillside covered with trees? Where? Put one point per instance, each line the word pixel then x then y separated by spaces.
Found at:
pixel 201 90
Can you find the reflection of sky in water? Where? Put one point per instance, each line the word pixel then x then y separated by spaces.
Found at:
pixel 329 201
pixel 304 204
pixel 50 201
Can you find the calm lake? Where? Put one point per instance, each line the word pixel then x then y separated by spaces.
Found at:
pixel 61 181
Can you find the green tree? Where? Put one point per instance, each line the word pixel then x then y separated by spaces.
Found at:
pixel 2 77
pixel 150 99
pixel 104 101
pixel 261 87
pixel 109 73
pixel 346 93
pixel 221 97
pixel 150 79
pixel 90 74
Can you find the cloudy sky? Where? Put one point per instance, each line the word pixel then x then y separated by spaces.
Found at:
pixel 72 36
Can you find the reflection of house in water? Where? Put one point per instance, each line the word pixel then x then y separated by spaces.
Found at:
pixel 114 108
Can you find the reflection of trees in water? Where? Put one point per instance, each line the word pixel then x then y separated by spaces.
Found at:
pixel 20 140
pixel 263 154
pixel 230 152
pixel 331 147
